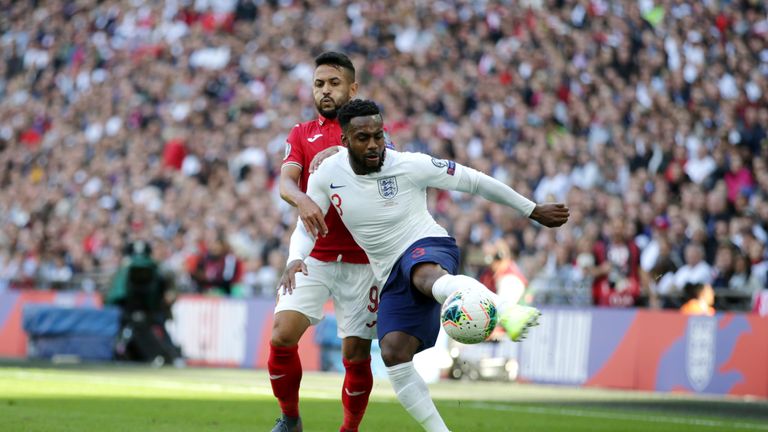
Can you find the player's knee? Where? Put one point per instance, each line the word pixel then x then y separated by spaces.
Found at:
pixel 283 339
pixel 424 275
pixel 394 357
pixel 398 350
pixel 287 329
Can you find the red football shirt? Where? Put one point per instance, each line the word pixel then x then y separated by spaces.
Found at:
pixel 303 143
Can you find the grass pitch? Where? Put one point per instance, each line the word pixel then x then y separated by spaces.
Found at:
pixel 127 398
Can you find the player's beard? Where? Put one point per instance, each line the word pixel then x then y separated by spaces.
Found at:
pixel 361 163
pixel 328 113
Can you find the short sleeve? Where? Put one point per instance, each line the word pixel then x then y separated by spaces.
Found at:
pixel 294 148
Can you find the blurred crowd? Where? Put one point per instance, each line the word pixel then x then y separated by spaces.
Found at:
pixel 165 121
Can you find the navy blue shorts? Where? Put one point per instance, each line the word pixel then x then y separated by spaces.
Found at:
pixel 402 307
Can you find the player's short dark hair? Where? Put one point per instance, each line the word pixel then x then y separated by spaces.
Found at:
pixel 356 108
pixel 693 290
pixel 337 60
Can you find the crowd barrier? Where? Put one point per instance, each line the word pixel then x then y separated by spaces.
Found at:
pixel 218 331
pixel 617 348
pixel 647 350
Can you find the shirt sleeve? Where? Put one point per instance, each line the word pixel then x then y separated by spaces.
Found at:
pixel 301 241
pixel 447 174
pixel 427 171
pixel 294 148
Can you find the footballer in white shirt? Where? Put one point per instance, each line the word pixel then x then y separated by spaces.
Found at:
pixel 381 196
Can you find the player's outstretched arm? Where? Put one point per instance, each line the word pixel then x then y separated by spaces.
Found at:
pixel 550 215
pixel 450 175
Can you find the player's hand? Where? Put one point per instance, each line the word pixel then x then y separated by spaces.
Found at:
pixel 288 279
pixel 550 215
pixel 321 156
pixel 313 217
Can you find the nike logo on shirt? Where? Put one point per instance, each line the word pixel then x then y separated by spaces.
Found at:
pixel 314 138
pixel 274 377
pixel 336 187
pixel 356 393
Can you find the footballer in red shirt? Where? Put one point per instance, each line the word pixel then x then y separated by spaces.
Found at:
pixel 337 268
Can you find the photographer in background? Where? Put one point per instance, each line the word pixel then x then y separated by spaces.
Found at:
pixel 145 296
pixel 502 275
pixel 700 299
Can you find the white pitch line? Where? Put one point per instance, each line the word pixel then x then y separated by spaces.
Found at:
pixel 613 416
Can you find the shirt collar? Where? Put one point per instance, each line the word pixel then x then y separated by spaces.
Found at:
pixel 321 120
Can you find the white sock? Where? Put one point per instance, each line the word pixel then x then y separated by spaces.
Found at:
pixel 447 284
pixel 413 394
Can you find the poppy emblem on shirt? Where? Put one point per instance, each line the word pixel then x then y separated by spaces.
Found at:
pixel 418 253
pixel 388 187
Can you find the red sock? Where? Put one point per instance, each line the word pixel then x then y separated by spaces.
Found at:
pixel 358 382
pixel 284 367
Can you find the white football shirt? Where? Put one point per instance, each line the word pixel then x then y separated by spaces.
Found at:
pixel 387 211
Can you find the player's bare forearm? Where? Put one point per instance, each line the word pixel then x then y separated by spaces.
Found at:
pixel 289 189
pixel 550 215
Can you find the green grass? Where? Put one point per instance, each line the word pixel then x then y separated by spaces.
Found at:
pixel 124 398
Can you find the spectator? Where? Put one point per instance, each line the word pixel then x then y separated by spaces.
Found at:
pixel 695 270
pixel 661 277
pixel 54 272
pixel 217 270
pixel 617 260
pixel 723 270
pixel 738 178
pixel 742 280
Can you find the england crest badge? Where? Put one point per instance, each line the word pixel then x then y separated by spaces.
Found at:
pixel 388 187
pixel 700 351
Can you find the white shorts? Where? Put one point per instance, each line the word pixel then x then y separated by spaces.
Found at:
pixel 352 287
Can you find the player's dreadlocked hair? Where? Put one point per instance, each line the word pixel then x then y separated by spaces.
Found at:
pixel 337 60
pixel 356 108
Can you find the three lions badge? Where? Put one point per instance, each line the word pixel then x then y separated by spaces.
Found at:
pixel 388 187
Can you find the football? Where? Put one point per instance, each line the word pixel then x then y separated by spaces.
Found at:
pixel 468 316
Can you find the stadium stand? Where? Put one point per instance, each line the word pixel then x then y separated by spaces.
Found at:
pixel 165 122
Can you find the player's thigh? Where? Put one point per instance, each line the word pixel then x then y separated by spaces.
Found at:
pixel 356 300
pixel 406 310
pixel 310 293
